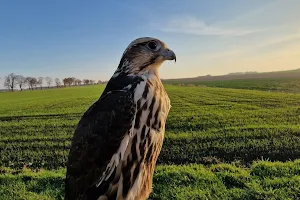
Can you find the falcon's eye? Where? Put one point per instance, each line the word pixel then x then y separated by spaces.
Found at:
pixel 152 46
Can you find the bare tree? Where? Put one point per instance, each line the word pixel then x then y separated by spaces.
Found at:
pixel 69 81
pixel 65 81
pixel 21 81
pixel 73 81
pixel 57 82
pixel 48 81
pixel 92 82
pixel 7 83
pixel 10 81
pixel 31 82
pixel 77 81
pixel 40 82
pixel 99 82
pixel 86 81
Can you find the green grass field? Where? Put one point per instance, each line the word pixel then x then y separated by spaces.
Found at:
pixel 221 131
pixel 263 180
pixel 291 85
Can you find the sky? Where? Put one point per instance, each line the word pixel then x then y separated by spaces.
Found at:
pixel 86 39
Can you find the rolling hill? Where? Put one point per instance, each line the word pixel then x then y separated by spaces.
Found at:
pixel 241 75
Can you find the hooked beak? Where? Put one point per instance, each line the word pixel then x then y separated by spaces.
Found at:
pixel 168 54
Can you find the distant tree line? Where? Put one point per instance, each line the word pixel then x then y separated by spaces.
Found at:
pixel 13 81
pixel 74 81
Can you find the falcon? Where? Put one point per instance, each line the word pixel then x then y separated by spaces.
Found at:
pixel 118 139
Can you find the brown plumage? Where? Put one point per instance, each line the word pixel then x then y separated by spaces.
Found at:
pixel 118 139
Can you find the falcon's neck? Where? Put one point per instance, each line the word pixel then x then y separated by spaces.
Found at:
pixel 130 73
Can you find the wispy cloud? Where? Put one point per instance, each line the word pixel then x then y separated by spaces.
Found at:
pixel 245 50
pixel 194 26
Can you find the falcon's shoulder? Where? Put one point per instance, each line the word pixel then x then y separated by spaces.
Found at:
pixel 97 137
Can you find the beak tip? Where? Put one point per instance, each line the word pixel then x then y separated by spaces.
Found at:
pixel 169 55
pixel 174 56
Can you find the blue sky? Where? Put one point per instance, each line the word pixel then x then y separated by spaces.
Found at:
pixel 85 39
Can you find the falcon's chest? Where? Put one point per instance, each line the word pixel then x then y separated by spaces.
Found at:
pixel 147 133
pixel 152 104
pixel 132 166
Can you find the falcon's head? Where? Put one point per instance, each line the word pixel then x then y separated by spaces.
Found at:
pixel 144 55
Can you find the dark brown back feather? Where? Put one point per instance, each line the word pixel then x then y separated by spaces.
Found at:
pixel 97 137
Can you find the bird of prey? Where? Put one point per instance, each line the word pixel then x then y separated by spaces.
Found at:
pixel 118 139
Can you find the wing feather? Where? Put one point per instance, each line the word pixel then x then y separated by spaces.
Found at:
pixel 97 138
